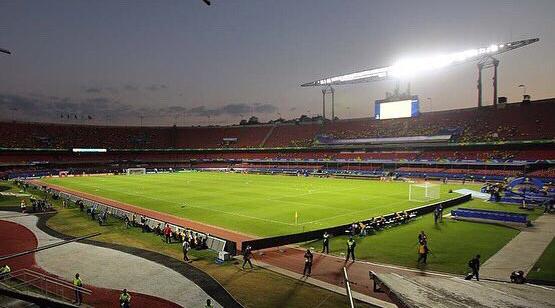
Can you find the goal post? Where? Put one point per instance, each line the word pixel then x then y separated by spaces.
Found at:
pixel 423 192
pixel 135 171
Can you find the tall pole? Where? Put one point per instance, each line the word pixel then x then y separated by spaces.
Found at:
pixel 332 104
pixel 324 104
pixel 495 64
pixel 480 66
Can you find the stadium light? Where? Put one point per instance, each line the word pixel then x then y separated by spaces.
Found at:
pixel 411 66
pixel 523 86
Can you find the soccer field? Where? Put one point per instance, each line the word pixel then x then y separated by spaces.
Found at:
pixel 260 205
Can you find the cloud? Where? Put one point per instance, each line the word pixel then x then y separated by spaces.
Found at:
pixel 38 107
pixel 171 110
pixel 156 87
pixel 130 87
pixel 93 90
pixel 232 109
pixel 266 108
pixel 9 102
pixel 48 108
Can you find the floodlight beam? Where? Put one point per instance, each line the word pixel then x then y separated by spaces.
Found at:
pixel 413 66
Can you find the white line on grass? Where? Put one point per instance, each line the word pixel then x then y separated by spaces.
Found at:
pixel 198 207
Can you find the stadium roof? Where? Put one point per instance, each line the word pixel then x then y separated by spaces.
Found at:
pixel 408 67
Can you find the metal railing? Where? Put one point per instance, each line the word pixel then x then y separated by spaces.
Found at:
pixel 26 280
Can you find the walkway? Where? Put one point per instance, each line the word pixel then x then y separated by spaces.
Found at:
pixel 327 270
pixel 522 252
pixel 109 268
pixel 455 292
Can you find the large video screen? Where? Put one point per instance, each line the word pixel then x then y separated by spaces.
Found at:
pixel 397 109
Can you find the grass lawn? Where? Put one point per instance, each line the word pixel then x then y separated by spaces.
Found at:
pixel 261 205
pixel 452 242
pixel 257 288
pixel 544 269
pixel 10 200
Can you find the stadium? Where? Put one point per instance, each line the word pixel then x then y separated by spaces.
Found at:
pixel 273 214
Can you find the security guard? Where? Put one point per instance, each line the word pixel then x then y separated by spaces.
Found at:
pixel 474 265
pixel 78 284
pixel 125 299
pixel 308 258
pixel 4 271
pixel 326 243
pixel 247 255
pixel 351 244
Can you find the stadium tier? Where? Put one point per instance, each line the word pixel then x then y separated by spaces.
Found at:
pixel 487 124
pixel 486 142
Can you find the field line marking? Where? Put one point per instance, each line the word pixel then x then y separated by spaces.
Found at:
pixel 198 207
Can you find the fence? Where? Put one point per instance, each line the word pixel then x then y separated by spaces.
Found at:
pixel 26 280
pixel 338 230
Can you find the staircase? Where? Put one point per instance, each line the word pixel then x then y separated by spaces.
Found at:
pixel 28 288
pixel 267 136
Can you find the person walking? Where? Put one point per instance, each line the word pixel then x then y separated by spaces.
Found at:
pixel 440 212
pixel 125 299
pixel 308 257
pixel 474 265
pixel 326 243
pixel 23 206
pixel 168 233
pixel 351 244
pixel 247 255
pixel 186 247
pixel 423 253
pixel 209 304
pixel 78 283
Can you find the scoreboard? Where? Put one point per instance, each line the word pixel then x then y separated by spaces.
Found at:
pixel 396 109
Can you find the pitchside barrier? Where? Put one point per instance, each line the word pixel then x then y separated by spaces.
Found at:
pixel 214 243
pixel 487 215
pixel 283 240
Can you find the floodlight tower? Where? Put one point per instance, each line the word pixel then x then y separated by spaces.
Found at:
pixel 487 62
pixel 328 89
pixel 409 67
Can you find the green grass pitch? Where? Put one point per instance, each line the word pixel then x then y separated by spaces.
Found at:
pixel 260 205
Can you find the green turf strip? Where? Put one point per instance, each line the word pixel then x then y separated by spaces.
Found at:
pixel 544 269
pixel 452 243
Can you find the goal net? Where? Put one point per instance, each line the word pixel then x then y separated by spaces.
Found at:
pixel 423 192
pixel 135 171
